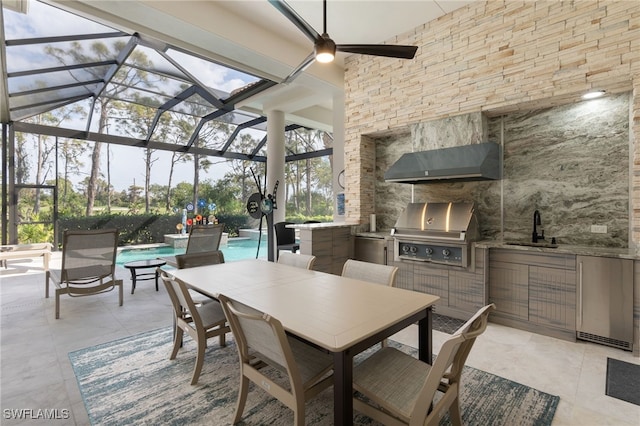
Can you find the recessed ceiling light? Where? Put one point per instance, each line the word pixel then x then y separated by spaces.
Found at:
pixel 593 94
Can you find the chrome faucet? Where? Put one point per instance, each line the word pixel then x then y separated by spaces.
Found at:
pixel 537 222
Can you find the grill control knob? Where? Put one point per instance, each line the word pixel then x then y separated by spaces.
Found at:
pixel 414 249
pixel 429 251
pixel 446 252
pixel 405 249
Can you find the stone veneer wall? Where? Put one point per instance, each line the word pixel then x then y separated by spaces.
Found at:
pixel 494 57
pixel 570 162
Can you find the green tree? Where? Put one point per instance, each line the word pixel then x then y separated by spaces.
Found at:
pixel 240 173
pixel 125 78
pixel 178 134
pixel 73 202
pixel 157 195
pixel 305 177
pixel 21 158
pixel 211 134
pixel 182 194
pixel 135 192
pixel 71 151
pixel 136 123
pixel 224 193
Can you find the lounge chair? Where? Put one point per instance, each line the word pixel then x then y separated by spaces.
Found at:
pixel 88 265
pixel 24 251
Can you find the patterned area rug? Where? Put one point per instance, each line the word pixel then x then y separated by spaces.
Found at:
pixel 132 381
pixel 446 324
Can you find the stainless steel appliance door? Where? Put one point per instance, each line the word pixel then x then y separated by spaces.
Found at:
pixel 371 250
pixel 605 299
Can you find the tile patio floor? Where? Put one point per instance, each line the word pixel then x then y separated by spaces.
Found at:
pixel 36 373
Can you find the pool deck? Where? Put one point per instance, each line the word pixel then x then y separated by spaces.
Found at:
pixel 181 240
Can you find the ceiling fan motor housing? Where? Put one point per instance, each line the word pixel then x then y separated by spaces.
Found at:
pixel 325 49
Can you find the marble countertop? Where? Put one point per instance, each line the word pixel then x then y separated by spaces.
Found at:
pixel 622 253
pixel 322 225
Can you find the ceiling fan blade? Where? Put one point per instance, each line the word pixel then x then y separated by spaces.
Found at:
pixel 388 50
pixel 296 19
pixel 303 66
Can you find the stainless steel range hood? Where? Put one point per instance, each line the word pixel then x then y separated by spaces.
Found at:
pixel 460 163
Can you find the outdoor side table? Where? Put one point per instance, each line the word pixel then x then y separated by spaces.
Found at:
pixel 142 276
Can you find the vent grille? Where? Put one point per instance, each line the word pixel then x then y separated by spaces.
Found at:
pixel 604 340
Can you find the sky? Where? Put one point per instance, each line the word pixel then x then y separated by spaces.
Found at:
pixel 127 165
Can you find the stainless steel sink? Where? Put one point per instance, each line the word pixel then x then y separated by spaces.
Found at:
pixel 527 244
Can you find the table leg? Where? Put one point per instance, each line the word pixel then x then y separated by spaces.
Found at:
pixel 133 280
pixel 157 275
pixel 342 388
pixel 425 337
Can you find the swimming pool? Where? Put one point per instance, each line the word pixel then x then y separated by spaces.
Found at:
pixel 236 249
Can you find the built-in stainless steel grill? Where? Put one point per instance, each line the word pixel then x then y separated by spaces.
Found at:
pixel 436 232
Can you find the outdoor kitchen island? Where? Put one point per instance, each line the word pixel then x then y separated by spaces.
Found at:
pixel 330 242
pixel 562 290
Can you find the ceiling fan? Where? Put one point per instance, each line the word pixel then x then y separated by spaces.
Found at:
pixel 325 48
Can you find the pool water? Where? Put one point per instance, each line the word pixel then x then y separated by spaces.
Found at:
pixel 236 249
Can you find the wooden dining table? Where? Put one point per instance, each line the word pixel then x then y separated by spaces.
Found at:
pixel 344 316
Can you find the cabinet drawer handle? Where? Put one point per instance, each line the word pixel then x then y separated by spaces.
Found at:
pixel 580 295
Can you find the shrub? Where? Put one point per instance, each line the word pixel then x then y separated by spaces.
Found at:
pixel 142 228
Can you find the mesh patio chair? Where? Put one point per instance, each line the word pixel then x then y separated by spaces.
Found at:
pixel 199 259
pixel 371 272
pixel 200 321
pixel 304 261
pixel 285 238
pixel 308 369
pixel 202 238
pixel 88 265
pixel 398 389
pixel 191 260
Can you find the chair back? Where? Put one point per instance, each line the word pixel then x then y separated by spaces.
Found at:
pixel 261 333
pixel 474 327
pixel 304 261
pixel 191 260
pixel 88 256
pixel 371 272
pixel 204 238
pixel 284 235
pixel 183 304
pixel 449 364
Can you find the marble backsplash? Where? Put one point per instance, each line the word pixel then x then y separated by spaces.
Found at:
pixel 569 162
